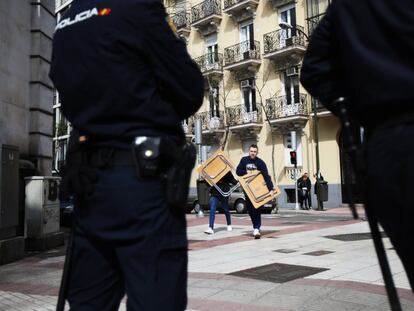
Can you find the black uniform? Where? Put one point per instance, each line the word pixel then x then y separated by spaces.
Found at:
pixel 363 50
pixel 121 72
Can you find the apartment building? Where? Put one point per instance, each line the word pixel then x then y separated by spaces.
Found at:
pixel 250 53
pixel 61 127
pixel 251 67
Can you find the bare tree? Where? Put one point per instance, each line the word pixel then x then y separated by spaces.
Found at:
pixel 226 87
pixel 259 86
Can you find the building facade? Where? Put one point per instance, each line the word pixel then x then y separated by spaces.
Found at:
pixel 251 67
pixel 250 53
pixel 26 93
pixel 61 127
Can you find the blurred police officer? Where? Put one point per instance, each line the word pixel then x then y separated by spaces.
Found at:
pixel 122 73
pixel 363 50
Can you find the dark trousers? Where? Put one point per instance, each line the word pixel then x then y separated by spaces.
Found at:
pixel 305 198
pixel 390 165
pixel 128 241
pixel 214 200
pixel 254 213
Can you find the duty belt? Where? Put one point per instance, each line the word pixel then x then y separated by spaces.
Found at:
pixel 109 157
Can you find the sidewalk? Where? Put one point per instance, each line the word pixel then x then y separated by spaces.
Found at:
pixel 305 260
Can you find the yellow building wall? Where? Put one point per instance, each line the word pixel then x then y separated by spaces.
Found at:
pixel 268 84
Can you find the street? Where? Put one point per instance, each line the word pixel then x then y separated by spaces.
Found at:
pixel 305 260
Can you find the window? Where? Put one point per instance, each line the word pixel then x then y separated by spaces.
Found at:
pixel 316 7
pixel 248 94
pixel 214 101
pixel 211 49
pixel 290 83
pixel 287 15
pixel 247 37
pixel 288 148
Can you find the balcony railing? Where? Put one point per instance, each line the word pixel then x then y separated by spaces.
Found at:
pixel 313 22
pixel 209 122
pixel 279 107
pixel 242 51
pixel 205 9
pixel 188 126
pixel 282 39
pixel 230 3
pixel 181 20
pixel 61 3
pixel 210 62
pixel 238 115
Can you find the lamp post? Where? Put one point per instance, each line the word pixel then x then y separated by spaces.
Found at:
pixel 286 26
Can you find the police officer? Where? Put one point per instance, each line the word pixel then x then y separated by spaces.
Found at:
pixel 363 50
pixel 122 73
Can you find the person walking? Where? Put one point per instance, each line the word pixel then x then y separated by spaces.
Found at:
pixel 304 188
pixel 125 82
pixel 253 163
pixel 216 197
pixel 363 51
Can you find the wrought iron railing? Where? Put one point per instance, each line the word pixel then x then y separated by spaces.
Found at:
pixel 230 3
pixel 210 121
pixel 210 61
pixel 313 22
pixel 205 9
pixel 60 3
pixel 281 39
pixel 239 115
pixel 279 3
pixel 279 107
pixel 181 19
pixel 188 126
pixel 242 51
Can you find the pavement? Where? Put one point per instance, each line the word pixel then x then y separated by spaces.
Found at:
pixel 305 260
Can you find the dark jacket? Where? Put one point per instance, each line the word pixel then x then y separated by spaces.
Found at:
pixel 304 184
pixel 223 184
pixel 121 71
pixel 364 50
pixel 247 163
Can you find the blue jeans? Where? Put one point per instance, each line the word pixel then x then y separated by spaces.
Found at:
pixel 254 214
pixel 213 206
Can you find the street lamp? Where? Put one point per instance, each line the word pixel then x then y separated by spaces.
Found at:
pixel 286 26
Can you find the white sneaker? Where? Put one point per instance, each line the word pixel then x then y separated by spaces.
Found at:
pixel 229 228
pixel 209 231
pixel 256 233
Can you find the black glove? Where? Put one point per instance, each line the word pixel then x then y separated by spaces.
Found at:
pixel 77 177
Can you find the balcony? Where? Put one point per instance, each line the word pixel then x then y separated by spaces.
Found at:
pixel 182 22
pixel 279 3
pixel 240 10
pixel 284 116
pixel 206 16
pixel 313 22
pixel 60 4
pixel 211 65
pixel 244 124
pixel 320 109
pixel 212 127
pixel 188 128
pixel 285 47
pixel 243 56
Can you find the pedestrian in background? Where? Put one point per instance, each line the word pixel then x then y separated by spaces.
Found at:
pixel 216 197
pixel 253 163
pixel 363 51
pixel 304 187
